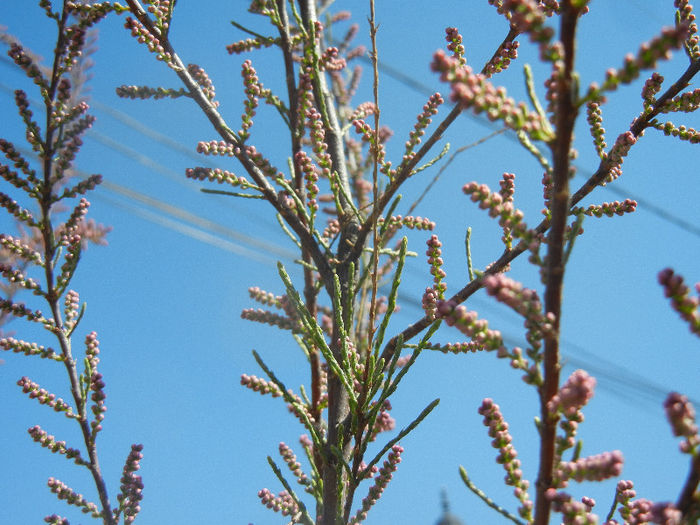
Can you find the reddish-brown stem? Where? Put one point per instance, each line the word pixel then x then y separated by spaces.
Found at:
pixel 687 501
pixel 565 118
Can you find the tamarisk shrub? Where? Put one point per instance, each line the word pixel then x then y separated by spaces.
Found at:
pixel 43 259
pixel 338 200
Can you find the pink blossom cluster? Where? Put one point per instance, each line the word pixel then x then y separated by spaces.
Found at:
pixel 200 76
pixel 261 162
pixel 257 384
pixel 507 455
pixel 263 297
pixel 331 60
pixel 23 60
pixel 21 310
pixel 644 512
pixel 144 36
pixel 314 122
pixel 617 154
pixel 218 175
pixel 429 302
pixel 48 441
pixel 376 143
pixel 294 466
pixel 681 415
pixel 610 208
pixel 529 16
pixel 18 346
pixel 509 218
pixel 15 209
pixel 595 122
pixel 507 52
pixel 685 12
pixel 507 187
pixel 44 396
pixel 60 113
pixel 648 55
pixel 573 395
pixel 282 503
pixel 9 175
pixel 219 147
pixel 469 324
pixel 681 301
pixel 332 229
pixel 131 487
pixel 305 165
pixel 692 135
pixel 248 44
pixel 64 492
pixel 454 44
pixel 473 91
pixel 363 110
pixel 409 221
pixel 434 254
pixel 573 512
pixel 592 468
pixel 526 302
pixel 381 480
pixel 384 422
pixel 16 277
pixel 423 121
pixel 161 10
pixel 685 102
pixel 94 11
pixel 16 247
pixel 457 348
pixel 55 519
pixel 651 87
pixel 98 397
pixel 252 92
pixel 72 305
pixel 264 316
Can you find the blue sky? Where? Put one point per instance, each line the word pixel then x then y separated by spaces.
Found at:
pixel 165 296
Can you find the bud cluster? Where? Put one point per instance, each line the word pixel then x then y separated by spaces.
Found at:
pixel 381 480
pixel 507 455
pixel 681 301
pixel 681 415
pixel 282 503
pixel 473 91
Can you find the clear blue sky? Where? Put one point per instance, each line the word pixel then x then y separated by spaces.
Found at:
pixel 165 296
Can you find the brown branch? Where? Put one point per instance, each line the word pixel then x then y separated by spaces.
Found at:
pixel 565 118
pixel 688 500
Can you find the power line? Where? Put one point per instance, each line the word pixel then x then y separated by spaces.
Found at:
pixel 620 382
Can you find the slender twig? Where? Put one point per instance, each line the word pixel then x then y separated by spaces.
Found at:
pixel 375 169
